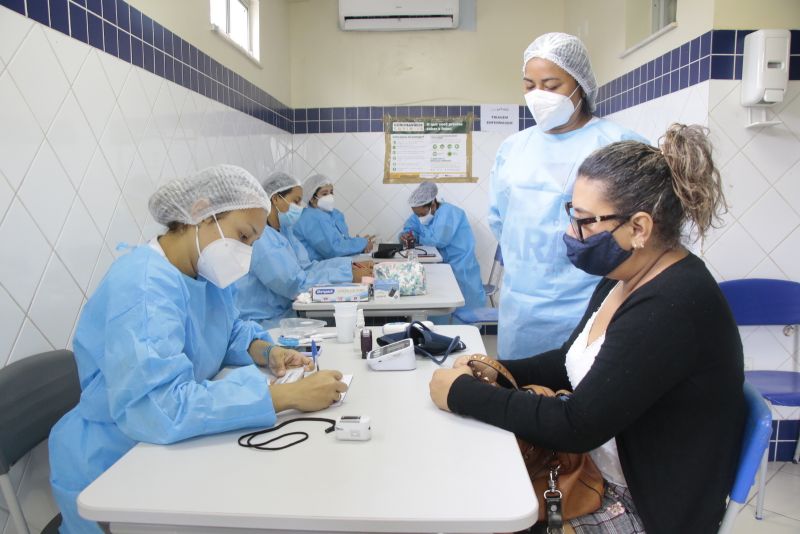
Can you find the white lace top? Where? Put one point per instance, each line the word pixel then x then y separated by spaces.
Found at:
pixel 580 358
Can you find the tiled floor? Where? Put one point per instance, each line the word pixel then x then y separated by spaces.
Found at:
pixel 782 501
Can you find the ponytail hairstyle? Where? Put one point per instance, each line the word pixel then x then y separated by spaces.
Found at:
pixel 675 184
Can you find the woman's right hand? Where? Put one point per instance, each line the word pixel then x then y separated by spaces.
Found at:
pixel 312 393
pixel 486 373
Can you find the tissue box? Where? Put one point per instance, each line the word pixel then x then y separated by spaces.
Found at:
pixel 340 293
pixel 410 275
pixel 386 289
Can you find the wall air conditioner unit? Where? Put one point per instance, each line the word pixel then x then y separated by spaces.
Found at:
pixel 397 15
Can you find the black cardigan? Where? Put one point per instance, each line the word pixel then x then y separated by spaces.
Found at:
pixel 667 383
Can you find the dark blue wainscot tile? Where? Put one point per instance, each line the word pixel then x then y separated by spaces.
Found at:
pixel 788 430
pixel 363 125
pixel 705 68
pixel 740 35
pixel 110 11
pixel 705 44
pixel 694 73
pixel 376 125
pixel 326 114
pixel 147 29
pixel 794 68
pixel 39 11
pixel 684 77
pixel 95 6
pixel 59 15
pixel 300 128
pixel 376 112
pixel 325 127
pixel 110 39
pixel 428 111
pixel 784 451
pixel 95 31
pixel 723 41
pixel 721 67
pixel 77 17
pixel 124 46
pixel 136 52
pixel 351 125
pixel 737 67
pixel 123 15
pixel 15 5
pixel 694 53
pixel 136 22
pixel 147 53
pixel 453 111
pixel 441 111
pixel 363 113
pixel 685 55
pixel 350 114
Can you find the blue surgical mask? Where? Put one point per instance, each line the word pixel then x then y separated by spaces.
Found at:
pixel 289 217
pixel 598 254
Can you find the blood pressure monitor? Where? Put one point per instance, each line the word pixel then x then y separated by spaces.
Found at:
pixel 397 356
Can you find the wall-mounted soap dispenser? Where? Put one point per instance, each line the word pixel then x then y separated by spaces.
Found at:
pixel 765 73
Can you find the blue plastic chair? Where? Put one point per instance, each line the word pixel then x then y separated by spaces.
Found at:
pixel 755 444
pixel 485 315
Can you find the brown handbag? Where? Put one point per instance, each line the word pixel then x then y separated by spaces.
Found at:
pixel 567 485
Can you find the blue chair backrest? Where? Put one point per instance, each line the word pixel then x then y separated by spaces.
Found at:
pixel 757 430
pixel 760 301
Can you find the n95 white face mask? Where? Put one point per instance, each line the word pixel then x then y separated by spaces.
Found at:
pixel 425 219
pixel 326 203
pixel 550 110
pixel 223 261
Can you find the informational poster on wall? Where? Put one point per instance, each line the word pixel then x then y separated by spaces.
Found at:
pixel 437 149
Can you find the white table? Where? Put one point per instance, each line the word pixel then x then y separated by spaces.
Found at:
pixel 432 256
pixel 424 470
pixel 442 298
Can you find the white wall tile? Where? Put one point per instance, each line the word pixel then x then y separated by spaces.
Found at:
pixel 18 145
pixel 137 191
pixel 118 146
pixel 72 139
pixel 70 53
pixel 47 192
pixel 165 115
pixel 79 244
pixel 39 77
pixel 13 29
pixel 774 151
pixel 99 191
pixel 30 341
pixel 94 93
pixel 11 318
pixel 348 188
pixel 20 272
pixel 116 71
pixel 104 261
pixel 786 255
pixel 349 150
pixel 789 111
pixel 6 194
pixel 743 184
pixel 180 155
pixel 134 104
pixel 735 254
pixel 122 231
pixel 770 220
pixel 789 187
pixel 56 303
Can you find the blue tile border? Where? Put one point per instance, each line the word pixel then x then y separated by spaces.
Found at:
pixel 121 30
pixel 715 55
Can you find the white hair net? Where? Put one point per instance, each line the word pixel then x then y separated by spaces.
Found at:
pixel 313 183
pixel 278 182
pixel 208 192
pixel 569 53
pixel 424 194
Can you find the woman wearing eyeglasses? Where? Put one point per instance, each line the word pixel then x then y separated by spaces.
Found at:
pixel 655 365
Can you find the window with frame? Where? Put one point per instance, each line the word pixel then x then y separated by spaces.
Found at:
pixel 237 20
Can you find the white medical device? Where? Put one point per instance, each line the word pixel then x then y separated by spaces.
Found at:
pixel 353 428
pixel 397 356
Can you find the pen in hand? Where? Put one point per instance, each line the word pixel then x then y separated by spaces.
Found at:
pixel 314 354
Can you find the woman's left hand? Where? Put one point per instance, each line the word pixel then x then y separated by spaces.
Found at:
pixel 281 358
pixel 441 383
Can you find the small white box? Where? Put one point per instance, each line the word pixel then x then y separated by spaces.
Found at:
pixel 340 293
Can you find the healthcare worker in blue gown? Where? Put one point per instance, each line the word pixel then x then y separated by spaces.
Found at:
pixel 543 296
pixel 321 228
pixel 281 268
pixel 445 226
pixel 161 325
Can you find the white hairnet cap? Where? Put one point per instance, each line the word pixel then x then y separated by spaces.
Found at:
pixel 424 194
pixel 569 53
pixel 313 183
pixel 208 192
pixel 278 182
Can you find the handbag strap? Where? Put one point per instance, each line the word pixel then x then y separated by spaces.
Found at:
pixel 494 364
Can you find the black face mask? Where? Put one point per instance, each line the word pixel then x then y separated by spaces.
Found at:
pixel 598 255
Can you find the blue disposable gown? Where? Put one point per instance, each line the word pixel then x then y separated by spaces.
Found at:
pixel 147 344
pixel 449 231
pixel 543 295
pixel 325 234
pixel 278 274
